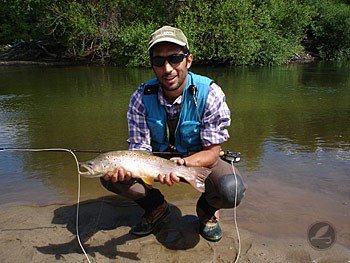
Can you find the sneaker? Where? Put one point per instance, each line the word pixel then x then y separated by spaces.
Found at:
pixel 151 220
pixel 210 229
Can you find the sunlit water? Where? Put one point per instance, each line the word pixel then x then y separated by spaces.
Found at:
pixel 291 125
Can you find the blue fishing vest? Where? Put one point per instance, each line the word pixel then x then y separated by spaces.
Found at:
pixel 187 132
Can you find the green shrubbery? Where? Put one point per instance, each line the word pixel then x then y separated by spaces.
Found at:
pixel 19 19
pixel 87 28
pixel 332 30
pixel 245 32
pixel 220 32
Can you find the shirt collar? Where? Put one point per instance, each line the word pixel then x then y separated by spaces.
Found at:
pixel 163 100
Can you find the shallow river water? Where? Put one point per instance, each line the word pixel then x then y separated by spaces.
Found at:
pixel 290 123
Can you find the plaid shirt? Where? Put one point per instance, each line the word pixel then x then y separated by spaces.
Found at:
pixel 213 124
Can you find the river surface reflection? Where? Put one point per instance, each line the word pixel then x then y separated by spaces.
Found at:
pixel 290 123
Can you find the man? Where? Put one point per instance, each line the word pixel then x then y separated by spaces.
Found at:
pixel 184 112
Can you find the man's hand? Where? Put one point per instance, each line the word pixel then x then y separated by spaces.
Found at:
pixel 171 178
pixel 178 160
pixel 168 179
pixel 119 175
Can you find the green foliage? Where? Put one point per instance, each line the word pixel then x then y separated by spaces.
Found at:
pixel 332 30
pixel 88 28
pixel 282 25
pixel 19 19
pixel 132 40
pixel 235 32
pixel 151 11
pixel 138 20
pixel 220 31
pixel 245 32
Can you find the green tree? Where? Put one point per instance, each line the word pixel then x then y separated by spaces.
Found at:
pixel 332 30
pixel 220 32
pixel 19 20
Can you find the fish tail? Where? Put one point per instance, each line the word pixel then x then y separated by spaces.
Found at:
pixel 199 174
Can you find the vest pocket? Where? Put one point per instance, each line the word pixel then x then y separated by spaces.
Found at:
pixel 157 128
pixel 189 133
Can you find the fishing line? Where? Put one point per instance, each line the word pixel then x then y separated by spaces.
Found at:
pixel 78 198
pixel 79 188
pixel 235 214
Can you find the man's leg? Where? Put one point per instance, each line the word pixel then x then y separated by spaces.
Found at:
pixel 150 199
pixel 220 192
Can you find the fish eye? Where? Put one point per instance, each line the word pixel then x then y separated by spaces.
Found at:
pixel 90 163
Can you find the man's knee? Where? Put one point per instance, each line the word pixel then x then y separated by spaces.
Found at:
pixel 228 185
pixel 128 189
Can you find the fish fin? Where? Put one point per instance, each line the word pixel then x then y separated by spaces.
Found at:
pixel 198 178
pixel 148 181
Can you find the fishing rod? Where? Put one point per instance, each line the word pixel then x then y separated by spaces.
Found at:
pixel 228 156
pixel 166 153
pixel 88 151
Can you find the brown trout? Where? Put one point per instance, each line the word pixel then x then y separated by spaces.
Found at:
pixel 143 165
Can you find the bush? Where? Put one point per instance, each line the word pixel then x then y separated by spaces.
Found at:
pixel 282 26
pixel 332 30
pixel 245 32
pixel 131 44
pixel 220 32
pixel 114 30
pixel 87 28
pixel 19 20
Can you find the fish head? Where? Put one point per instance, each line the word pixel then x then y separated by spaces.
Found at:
pixel 93 168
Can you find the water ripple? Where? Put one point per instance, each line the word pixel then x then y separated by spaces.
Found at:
pixel 343 155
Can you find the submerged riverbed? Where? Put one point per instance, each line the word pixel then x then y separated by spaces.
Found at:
pixel 290 123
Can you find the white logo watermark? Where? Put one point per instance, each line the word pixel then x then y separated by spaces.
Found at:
pixel 321 235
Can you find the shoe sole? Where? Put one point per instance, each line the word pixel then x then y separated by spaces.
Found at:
pixel 208 238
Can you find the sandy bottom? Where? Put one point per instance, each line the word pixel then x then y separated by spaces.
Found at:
pixel 47 233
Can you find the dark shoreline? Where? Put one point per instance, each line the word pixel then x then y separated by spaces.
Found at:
pixel 21 63
pixel 39 53
pixel 307 58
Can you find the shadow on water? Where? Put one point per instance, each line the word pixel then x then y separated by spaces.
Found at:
pixel 105 215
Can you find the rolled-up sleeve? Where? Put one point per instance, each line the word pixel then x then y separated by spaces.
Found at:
pixel 216 118
pixel 139 134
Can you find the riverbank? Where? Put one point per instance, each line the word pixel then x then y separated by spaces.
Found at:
pixel 20 63
pixel 38 53
pixel 47 233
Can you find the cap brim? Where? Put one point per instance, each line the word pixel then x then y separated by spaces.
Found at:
pixel 168 39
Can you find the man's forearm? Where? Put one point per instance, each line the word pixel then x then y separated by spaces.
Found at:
pixel 208 157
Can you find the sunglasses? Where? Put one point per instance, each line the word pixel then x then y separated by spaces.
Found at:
pixel 173 59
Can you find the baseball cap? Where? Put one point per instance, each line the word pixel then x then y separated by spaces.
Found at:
pixel 168 34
